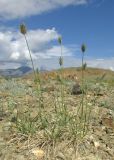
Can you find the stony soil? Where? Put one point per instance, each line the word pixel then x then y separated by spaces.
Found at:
pixel 19 93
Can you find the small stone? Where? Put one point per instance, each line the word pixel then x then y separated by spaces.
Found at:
pixel 39 153
pixel 103 128
pixel 96 144
pixel 88 96
pixel 60 156
pixel 76 89
pixel 89 104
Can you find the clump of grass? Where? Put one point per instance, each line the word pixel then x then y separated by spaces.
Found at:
pixel 37 78
pixel 61 75
pixel 83 49
pixel 25 123
pixel 60 122
pixel 85 113
pixel 23 30
pixel 78 120
pixel 61 70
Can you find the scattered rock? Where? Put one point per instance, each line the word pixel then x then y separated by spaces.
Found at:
pixel 60 156
pixel 76 89
pixel 96 144
pixel 39 153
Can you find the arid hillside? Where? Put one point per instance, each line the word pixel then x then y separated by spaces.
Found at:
pixel 58 116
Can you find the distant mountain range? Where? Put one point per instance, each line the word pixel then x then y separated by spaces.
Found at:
pixel 15 72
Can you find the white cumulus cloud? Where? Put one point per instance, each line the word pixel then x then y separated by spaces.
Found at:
pixel 13 46
pixel 11 9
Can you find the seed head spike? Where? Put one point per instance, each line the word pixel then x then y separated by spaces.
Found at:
pixel 83 48
pixel 60 40
pixel 60 61
pixel 23 29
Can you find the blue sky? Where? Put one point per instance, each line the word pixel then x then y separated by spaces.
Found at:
pixel 78 21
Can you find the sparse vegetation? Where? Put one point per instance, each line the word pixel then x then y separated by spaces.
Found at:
pixel 46 121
